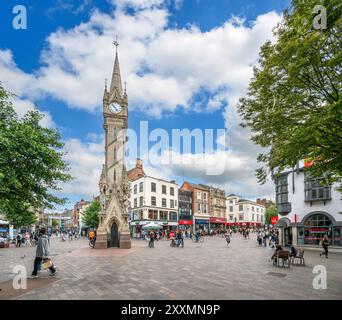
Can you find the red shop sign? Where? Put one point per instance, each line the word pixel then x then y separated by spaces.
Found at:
pixel 274 220
pixel 185 222
pixel 217 220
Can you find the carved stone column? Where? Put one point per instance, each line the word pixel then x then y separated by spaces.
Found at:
pixel 101 234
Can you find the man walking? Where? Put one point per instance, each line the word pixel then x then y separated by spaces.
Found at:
pixel 42 251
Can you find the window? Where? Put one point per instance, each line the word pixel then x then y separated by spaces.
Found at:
pixel 141 201
pixel 240 217
pixel 198 194
pixel 198 206
pixel 204 195
pixel 153 214
pixel 153 187
pixel 163 189
pixel 172 203
pixel 315 227
pixel 141 187
pixel 315 189
pixel 231 217
pixel 240 207
pixel 231 201
pixel 281 189
pixel 257 209
pixel 163 202
pixel 135 189
pixel 173 216
pixel 204 208
pixel 231 209
pixel 252 208
pixel 163 215
pixel 253 217
pixel 114 175
pixel 261 218
pixel 135 202
pixel 153 201
pixel 172 191
pixel 176 203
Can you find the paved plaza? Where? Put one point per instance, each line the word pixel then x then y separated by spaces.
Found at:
pixel 208 270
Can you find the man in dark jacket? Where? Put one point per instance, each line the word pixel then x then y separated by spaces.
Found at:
pixel 42 251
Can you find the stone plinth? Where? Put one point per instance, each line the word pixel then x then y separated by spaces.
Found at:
pixel 125 241
pixel 101 241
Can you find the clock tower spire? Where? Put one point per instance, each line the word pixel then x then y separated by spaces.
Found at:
pixel 113 228
pixel 116 85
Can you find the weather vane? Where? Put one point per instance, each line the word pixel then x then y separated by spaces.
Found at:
pixel 116 43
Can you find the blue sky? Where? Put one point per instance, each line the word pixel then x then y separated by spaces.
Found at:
pixel 186 63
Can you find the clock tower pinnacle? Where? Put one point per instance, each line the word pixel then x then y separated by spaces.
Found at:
pixel 114 186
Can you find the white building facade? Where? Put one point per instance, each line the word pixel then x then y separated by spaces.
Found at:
pixel 244 213
pixel 153 199
pixel 307 208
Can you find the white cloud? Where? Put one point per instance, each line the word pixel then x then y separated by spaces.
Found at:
pixel 165 68
pixel 86 161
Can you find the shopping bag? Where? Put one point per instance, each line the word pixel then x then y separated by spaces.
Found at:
pixel 47 263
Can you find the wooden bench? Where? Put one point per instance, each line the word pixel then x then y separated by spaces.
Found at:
pixel 300 256
pixel 284 256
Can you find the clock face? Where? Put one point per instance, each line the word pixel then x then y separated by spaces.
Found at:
pixel 115 107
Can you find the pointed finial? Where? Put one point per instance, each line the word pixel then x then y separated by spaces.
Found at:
pixel 116 43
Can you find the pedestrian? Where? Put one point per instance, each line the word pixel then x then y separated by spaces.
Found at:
pixel 18 238
pixel 325 244
pixel 42 252
pixel 151 241
pixel 228 238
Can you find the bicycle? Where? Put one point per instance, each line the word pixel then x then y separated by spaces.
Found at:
pixel 92 243
pixel 200 239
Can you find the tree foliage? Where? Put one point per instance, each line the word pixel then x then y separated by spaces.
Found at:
pixel 271 211
pixel 91 215
pixel 31 164
pixel 293 104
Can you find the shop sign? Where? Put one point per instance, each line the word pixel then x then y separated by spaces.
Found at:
pixel 217 220
pixel 185 222
pixel 202 221
pixel 274 220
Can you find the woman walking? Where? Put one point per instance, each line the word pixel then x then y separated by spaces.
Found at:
pixel 325 244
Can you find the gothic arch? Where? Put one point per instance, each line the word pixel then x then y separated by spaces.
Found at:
pixel 283 222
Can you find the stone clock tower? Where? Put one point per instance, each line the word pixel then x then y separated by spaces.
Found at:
pixel 113 230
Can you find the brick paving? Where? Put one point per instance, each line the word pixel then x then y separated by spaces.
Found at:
pixel 198 271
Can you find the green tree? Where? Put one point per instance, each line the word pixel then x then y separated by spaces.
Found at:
pixel 271 211
pixel 293 104
pixel 31 164
pixel 54 224
pixel 91 215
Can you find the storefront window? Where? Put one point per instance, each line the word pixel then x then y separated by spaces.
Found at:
pixel 315 227
pixel 337 236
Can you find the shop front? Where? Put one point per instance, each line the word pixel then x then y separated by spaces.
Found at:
pixel 315 225
pixel 185 225
pixel 202 225
pixel 217 223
